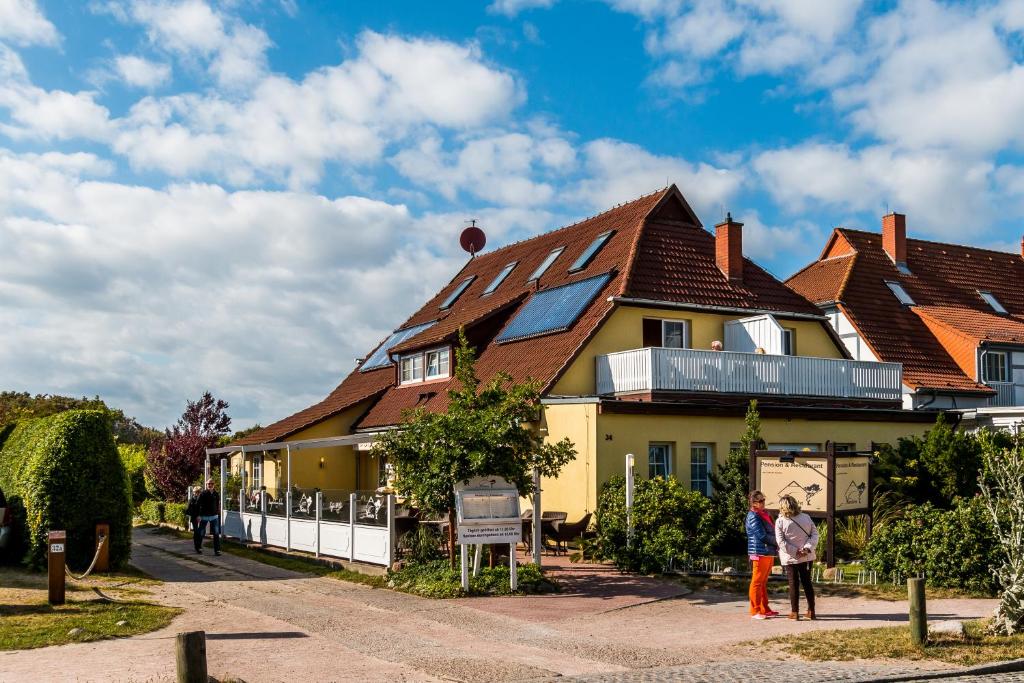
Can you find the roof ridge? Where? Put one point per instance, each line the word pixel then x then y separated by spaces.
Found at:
pixel 577 222
pixel 935 242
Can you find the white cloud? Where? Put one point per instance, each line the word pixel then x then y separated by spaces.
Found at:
pixel 510 8
pixel 23 23
pixel 619 171
pixel 500 168
pixel 141 73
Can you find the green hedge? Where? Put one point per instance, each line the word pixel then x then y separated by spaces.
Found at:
pixel 952 548
pixel 158 511
pixel 64 472
pixel 133 457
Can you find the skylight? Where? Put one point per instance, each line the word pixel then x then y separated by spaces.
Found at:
pixel 555 253
pixel 457 292
pixel 496 282
pixel 992 301
pixel 901 293
pixel 591 251
pixel 903 268
pixel 380 358
pixel 553 310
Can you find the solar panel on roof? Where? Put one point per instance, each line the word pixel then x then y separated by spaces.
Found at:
pixel 379 358
pixel 553 310
pixel 584 259
pixel 447 303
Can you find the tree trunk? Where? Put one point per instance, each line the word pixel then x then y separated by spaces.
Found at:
pixel 451 537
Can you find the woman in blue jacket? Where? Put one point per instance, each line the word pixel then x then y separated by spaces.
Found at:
pixel 762 549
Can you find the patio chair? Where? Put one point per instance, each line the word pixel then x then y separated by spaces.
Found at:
pixel 548 521
pixel 564 532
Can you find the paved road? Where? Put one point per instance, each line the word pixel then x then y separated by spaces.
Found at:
pixel 747 671
pixel 268 624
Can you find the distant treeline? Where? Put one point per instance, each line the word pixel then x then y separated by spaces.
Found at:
pixel 21 405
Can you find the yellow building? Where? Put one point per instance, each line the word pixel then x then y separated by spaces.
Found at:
pixel 649 335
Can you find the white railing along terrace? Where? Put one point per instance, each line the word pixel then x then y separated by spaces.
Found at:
pixel 662 369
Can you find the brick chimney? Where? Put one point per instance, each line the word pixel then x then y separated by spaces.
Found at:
pixel 894 237
pixel 729 248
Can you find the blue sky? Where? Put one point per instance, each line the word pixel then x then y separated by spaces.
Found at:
pixel 245 196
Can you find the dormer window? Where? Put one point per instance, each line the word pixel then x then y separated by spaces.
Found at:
pixel 496 282
pixel 901 293
pixel 546 263
pixel 992 301
pixel 425 365
pixel 591 251
pixel 447 303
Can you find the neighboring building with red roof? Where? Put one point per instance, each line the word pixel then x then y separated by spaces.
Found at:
pixel 953 315
pixel 616 317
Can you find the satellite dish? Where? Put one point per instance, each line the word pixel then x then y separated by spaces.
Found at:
pixel 473 239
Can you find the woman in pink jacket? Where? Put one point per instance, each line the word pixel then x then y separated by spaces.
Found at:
pixel 797 536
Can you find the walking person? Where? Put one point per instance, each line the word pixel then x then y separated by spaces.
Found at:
pixel 207 507
pixel 762 549
pixel 797 537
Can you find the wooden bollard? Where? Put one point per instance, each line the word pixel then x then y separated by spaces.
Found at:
pixel 55 562
pixel 191 657
pixel 103 559
pixel 918 612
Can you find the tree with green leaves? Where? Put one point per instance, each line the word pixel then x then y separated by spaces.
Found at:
pixel 1002 490
pixel 485 432
pixel 731 483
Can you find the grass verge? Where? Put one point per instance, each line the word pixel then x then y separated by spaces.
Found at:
pixel 893 642
pixel 38 624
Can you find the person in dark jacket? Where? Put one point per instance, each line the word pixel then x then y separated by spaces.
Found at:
pixel 207 511
pixel 762 549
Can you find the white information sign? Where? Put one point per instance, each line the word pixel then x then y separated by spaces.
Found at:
pixel 488 512
pixel 491 533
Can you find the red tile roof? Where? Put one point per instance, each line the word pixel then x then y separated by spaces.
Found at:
pixel 944 281
pixel 658 251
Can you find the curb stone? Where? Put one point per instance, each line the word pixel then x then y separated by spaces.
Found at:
pixel 1010 666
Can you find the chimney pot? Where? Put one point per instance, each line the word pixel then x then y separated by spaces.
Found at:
pixel 894 237
pixel 729 248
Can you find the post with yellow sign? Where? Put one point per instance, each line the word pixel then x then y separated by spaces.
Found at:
pixel 826 484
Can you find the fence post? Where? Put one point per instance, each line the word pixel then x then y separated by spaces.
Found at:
pixel 630 461
pixel 918 612
pixel 537 514
pixel 223 493
pixel 191 657
pixel 55 560
pixel 351 527
pixel 391 529
pixel 102 552
pixel 319 506
pixel 288 520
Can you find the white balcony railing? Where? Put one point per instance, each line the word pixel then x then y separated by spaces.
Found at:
pixel 659 369
pixel 1004 397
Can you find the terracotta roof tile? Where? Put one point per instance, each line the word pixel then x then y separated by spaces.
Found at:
pixel 944 281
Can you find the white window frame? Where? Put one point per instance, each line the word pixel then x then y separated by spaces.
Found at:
pixel 1005 366
pixel 667 463
pixel 788 341
pixel 702 485
pixel 992 301
pixel 500 277
pixel 546 263
pixel 421 361
pixel 900 292
pixel 665 322
pixel 257 472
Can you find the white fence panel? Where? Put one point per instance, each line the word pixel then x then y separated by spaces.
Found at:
pixel 335 539
pixel 276 531
pixel 233 524
pixel 304 534
pixel 371 544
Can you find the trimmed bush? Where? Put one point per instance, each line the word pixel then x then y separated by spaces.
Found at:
pixel 159 512
pixel 671 525
pixel 133 457
pixel 65 472
pixel 952 548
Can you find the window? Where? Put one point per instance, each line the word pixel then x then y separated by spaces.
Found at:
pixel 496 282
pixel 555 253
pixel 257 472
pixel 992 301
pixel 701 462
pixel 591 251
pixel 447 303
pixel 788 341
pixel 432 364
pixel 903 268
pixel 798 447
pixel 437 363
pixel 672 334
pixel 994 366
pixel 659 460
pixel 845 447
pixel 901 293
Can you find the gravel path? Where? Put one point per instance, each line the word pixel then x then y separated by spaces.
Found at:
pixel 268 624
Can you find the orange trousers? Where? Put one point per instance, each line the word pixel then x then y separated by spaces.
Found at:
pixel 762 567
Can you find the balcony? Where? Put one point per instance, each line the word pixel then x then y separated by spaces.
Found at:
pixel 1004 397
pixel 691 370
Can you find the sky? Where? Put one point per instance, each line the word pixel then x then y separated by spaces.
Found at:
pixel 246 196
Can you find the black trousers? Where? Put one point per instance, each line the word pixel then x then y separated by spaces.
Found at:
pixel 800 574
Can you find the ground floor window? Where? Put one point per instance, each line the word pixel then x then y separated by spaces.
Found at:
pixel 659 460
pixel 814 447
pixel 701 462
pixel 845 447
pixel 257 471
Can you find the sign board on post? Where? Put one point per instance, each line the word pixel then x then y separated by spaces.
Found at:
pixel 488 512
